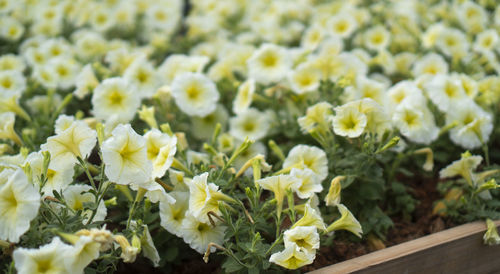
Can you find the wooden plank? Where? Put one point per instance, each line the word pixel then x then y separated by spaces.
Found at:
pixel 455 250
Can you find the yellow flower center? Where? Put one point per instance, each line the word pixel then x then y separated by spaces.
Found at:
pixel 249 126
pixel 62 71
pixel 411 119
pixel 193 92
pixel 44 266
pixel 7 83
pixel 450 90
pixel 11 201
pixel 377 38
pixel 202 227
pixel 116 98
pixel 160 16
pixel 341 26
pixel 142 76
pixel 269 60
pixel 50 174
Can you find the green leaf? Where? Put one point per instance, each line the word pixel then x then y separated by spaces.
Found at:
pixel 230 265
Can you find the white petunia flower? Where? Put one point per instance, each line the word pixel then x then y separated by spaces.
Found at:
pixel 292 257
pixel 250 123
pixel 304 78
pixel 486 41
pixel 348 121
pixel 75 197
pixel 172 214
pixel 474 125
pixel 19 204
pixel 77 140
pixel 161 149
pixel 125 157
pixel 65 69
pixel 85 82
pixel 463 167
pixel 368 88
pixel 58 177
pixel 269 64
pixel 203 127
pixel 305 237
pixel 177 64
pixel 12 62
pixel 416 122
pixel 198 234
pixel 431 63
pixel 453 43
pixel 445 92
pixel 83 252
pixel 377 38
pixel 341 25
pixel 11 83
pixel 317 115
pixel 195 94
pixel 143 76
pixel 404 91
pixel 244 96
pixel 49 258
pixel 310 182
pixel 204 197
pixel 46 76
pixel 303 156
pixel 115 97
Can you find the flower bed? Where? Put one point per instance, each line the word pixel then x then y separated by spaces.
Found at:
pixel 241 136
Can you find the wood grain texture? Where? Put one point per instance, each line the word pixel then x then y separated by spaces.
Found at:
pixel 455 250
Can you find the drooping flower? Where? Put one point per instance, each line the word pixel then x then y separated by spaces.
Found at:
pixel 292 257
pixel 305 237
pixel 333 196
pixel 310 217
pixel 204 197
pixel 279 185
pixel 125 157
pixel 19 204
pixel 347 221
pixel 463 167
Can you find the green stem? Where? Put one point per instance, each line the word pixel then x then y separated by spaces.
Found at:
pixel 87 171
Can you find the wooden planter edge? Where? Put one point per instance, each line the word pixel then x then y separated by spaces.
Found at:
pixel 459 249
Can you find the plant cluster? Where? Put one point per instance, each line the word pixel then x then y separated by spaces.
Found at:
pixel 256 130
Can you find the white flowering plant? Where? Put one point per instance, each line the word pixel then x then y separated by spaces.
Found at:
pixel 247 134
